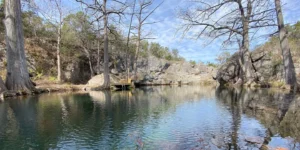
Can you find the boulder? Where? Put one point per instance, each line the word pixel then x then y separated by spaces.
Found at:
pixel 114 71
pixel 255 140
pixel 98 80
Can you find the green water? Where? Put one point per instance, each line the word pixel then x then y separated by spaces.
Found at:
pixel 187 117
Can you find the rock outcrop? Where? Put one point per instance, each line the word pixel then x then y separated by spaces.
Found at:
pixel 154 71
pixel 267 66
pixel 229 72
pixel 76 70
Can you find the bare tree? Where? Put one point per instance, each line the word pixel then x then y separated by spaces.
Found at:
pixel 17 72
pixel 229 18
pixel 142 15
pixel 128 40
pixel 100 11
pixel 289 68
pixel 54 12
pixel 98 47
pixel 223 57
pixel 106 83
pixel 59 26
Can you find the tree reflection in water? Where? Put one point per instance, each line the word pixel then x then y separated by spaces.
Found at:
pixel 184 117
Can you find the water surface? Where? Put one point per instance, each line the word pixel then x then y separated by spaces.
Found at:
pixel 187 117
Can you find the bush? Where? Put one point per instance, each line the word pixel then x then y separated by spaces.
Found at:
pixel 210 64
pixel 193 62
pixel 52 78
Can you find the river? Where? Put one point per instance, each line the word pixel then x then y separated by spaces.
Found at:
pixel 187 117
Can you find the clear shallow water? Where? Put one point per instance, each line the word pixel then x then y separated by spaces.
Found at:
pixel 153 118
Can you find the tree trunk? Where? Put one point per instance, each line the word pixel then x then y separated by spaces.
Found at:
pixel 106 84
pixel 17 72
pixel 289 68
pixel 98 56
pixel 58 54
pixel 2 86
pixel 136 56
pixel 247 64
pixel 127 44
pixel 90 60
pixel 247 72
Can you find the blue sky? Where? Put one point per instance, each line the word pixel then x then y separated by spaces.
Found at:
pixel 165 31
pixel 198 50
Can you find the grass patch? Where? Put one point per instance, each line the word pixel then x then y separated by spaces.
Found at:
pixel 277 84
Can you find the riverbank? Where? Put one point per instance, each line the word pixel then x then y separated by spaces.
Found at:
pixel 50 86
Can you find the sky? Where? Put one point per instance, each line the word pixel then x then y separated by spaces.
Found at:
pixel 165 31
pixel 199 50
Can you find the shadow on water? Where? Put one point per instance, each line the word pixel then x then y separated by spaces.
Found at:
pixel 184 117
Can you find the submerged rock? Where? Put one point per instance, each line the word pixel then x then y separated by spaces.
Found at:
pixel 255 140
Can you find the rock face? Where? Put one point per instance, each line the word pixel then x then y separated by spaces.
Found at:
pixel 267 66
pixel 77 72
pixel 2 86
pixel 154 71
pixel 229 72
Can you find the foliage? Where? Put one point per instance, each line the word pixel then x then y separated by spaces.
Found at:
pixel 193 62
pixel 52 78
pixel 223 57
pixel 78 30
pixel 210 64
pixel 272 46
pixel 163 52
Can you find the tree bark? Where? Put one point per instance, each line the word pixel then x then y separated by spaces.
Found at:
pixel 90 60
pixel 17 72
pixel 106 84
pixel 128 38
pixel 98 56
pixel 60 23
pixel 2 86
pixel 58 54
pixel 247 73
pixel 138 42
pixel 136 56
pixel 289 68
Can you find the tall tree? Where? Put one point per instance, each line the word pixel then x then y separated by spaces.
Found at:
pixel 59 26
pixel 100 10
pixel 54 12
pixel 78 29
pixel 128 40
pixel 229 18
pixel 142 15
pixel 17 72
pixel 289 68
pixel 106 83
